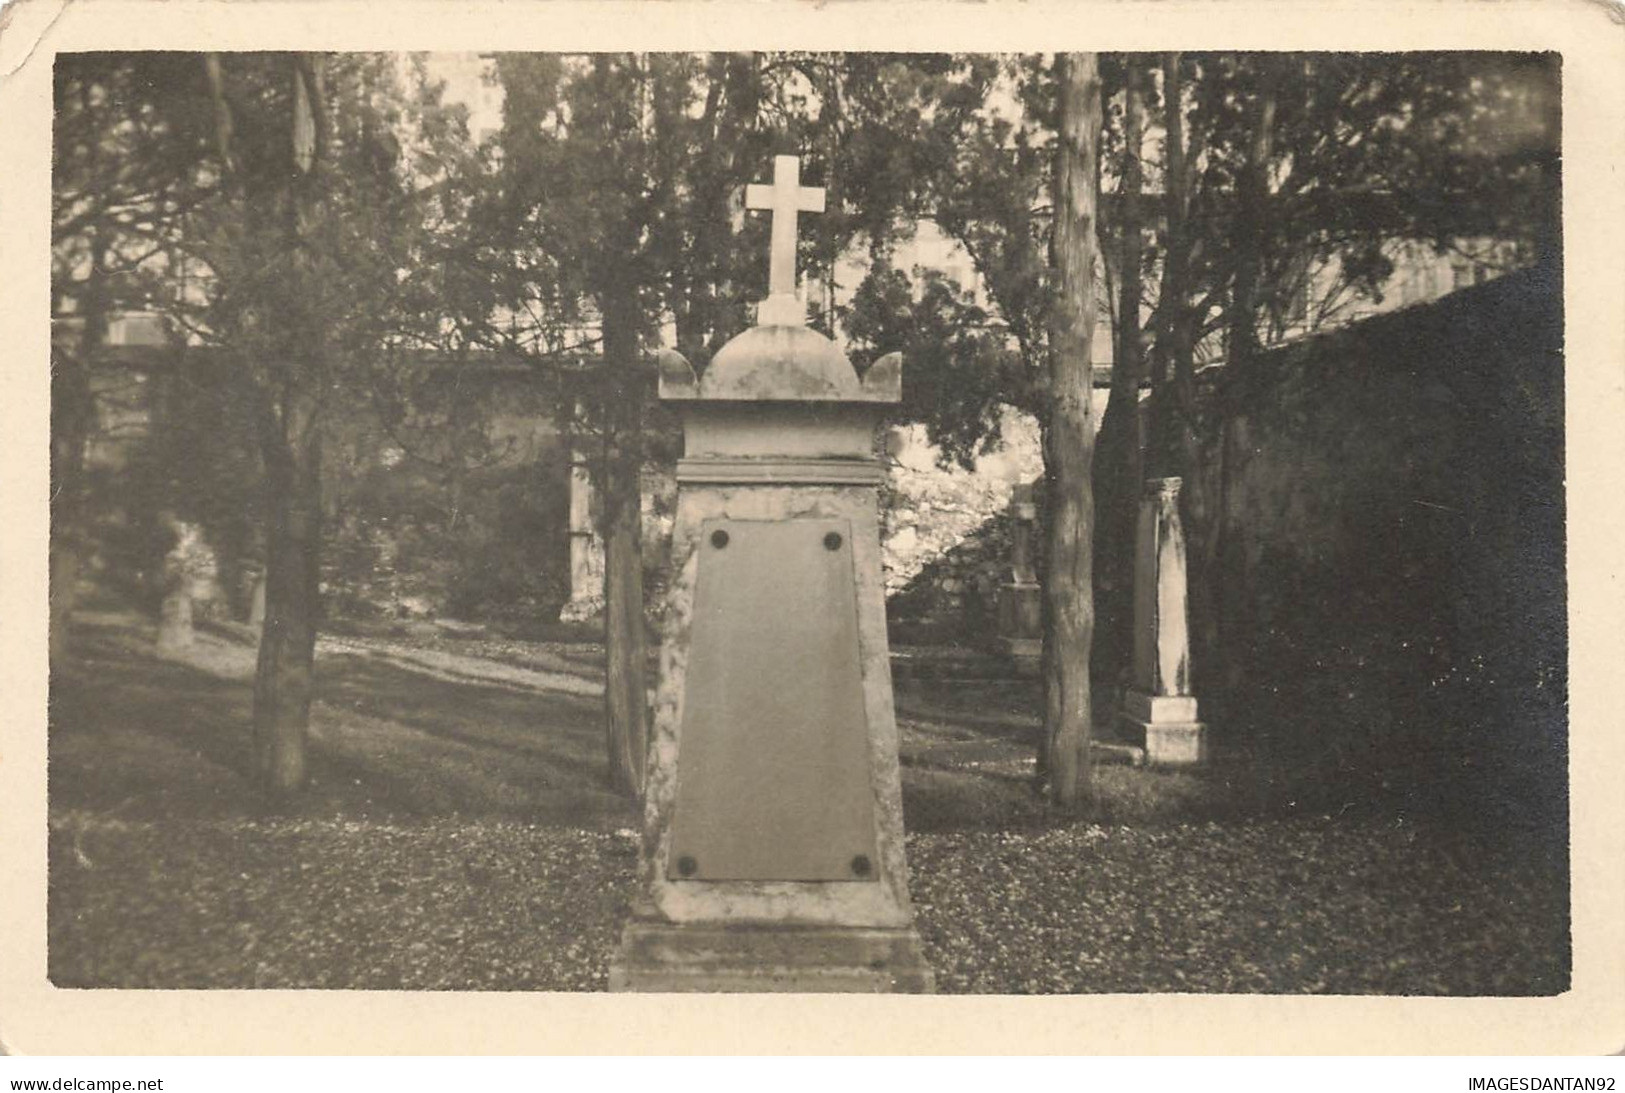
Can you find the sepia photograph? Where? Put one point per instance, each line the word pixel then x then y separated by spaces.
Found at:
pixel 808 521
pixel 1193 421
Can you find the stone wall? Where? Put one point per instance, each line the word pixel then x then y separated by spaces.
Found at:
pixel 945 530
pixel 1387 574
pixel 462 512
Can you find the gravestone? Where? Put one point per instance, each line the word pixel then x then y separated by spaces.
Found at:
pixel 179 582
pixel 773 842
pixel 1158 703
pixel 1021 607
pixel 256 603
pixel 586 601
pixel 175 619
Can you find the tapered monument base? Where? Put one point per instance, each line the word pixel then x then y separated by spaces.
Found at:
pixel 657 956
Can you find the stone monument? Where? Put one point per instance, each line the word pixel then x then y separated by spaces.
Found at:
pixel 256 599
pixel 586 602
pixel 1021 603
pixel 773 841
pixel 187 571
pixel 1158 703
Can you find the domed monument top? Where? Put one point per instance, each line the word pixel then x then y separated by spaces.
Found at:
pixel 781 359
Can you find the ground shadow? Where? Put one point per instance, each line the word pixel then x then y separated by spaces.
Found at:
pixel 137 735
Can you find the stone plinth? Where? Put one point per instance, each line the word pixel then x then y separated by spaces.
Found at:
pixel 1158 705
pixel 773 808
pixel 662 956
pixel 1021 604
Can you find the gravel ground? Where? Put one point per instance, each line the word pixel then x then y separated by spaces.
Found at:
pixel 1269 907
pixel 1280 906
pixel 457 835
pixel 446 905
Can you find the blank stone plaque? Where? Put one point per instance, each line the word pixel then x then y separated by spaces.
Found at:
pixel 773 778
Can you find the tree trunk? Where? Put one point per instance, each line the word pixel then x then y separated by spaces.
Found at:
pixel 1119 464
pixel 1069 436
pixel 1252 198
pixel 73 414
pixel 1171 357
pixel 1222 595
pixel 1174 447
pixel 626 713
pixel 284 680
pixel 290 425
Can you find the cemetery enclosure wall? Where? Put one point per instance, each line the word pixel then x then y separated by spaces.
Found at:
pixel 1386 572
pixel 462 507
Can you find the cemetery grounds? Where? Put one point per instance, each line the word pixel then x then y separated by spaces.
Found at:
pixel 457 835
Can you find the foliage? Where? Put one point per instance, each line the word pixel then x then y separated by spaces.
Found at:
pixel 197 462
pixel 982 177
pixel 335 232
pixel 305 253
pixel 321 254
pixel 1366 149
pixel 121 181
pixel 128 139
pixel 491 544
pixel 144 219
pixel 959 388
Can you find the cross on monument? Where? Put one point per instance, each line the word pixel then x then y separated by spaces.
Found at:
pixel 785 198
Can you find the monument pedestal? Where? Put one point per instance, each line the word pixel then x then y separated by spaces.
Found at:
pixel 657 955
pixel 1167 727
pixel 1026 656
pixel 774 856
pixel 1021 598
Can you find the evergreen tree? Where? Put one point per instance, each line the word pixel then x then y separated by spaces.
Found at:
pixel 127 142
pixel 307 248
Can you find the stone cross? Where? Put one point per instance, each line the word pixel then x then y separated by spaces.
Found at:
pixel 785 198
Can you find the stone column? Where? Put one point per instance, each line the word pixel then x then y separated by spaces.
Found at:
pixel 773 829
pixel 1021 605
pixel 1158 703
pixel 256 602
pixel 586 548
